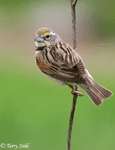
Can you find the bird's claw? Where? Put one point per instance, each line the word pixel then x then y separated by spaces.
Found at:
pixel 76 92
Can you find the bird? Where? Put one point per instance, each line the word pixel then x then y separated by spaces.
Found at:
pixel 60 62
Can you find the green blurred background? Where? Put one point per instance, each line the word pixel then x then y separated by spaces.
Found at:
pixel 34 109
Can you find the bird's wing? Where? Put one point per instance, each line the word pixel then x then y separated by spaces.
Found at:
pixel 65 61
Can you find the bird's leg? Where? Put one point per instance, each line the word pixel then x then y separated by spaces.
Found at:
pixel 74 90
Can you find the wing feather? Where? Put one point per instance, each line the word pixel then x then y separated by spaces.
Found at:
pixel 67 61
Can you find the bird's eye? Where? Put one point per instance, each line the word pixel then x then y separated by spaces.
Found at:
pixel 47 37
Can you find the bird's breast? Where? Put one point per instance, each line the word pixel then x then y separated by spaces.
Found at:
pixel 42 64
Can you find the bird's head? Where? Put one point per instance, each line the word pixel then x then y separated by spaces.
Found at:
pixel 45 37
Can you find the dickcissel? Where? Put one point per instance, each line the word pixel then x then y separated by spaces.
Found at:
pixel 63 64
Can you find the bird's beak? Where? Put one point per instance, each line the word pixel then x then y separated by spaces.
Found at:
pixel 39 39
pixel 39 42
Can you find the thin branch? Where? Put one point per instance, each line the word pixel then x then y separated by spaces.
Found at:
pixel 73 4
pixel 71 121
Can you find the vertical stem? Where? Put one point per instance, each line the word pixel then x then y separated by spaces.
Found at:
pixel 73 12
pixel 71 122
pixel 73 4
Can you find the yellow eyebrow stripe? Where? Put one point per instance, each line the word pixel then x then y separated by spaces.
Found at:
pixel 45 34
pixel 42 32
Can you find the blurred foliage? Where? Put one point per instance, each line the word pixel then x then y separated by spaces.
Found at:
pixel 35 110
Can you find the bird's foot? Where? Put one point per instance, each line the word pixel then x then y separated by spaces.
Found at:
pixel 76 92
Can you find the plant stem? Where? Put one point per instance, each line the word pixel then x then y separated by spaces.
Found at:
pixel 71 121
pixel 73 12
pixel 73 4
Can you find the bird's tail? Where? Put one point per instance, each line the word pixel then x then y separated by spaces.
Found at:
pixel 96 92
